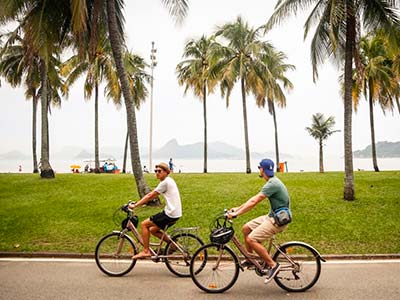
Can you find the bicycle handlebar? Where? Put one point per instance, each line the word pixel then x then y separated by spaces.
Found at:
pixel 126 208
pixel 226 212
pixel 225 217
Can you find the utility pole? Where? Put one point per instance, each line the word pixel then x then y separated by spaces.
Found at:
pixel 152 66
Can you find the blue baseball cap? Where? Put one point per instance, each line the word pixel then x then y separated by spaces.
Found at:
pixel 268 166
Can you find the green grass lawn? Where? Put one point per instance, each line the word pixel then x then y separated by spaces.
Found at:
pixel 72 212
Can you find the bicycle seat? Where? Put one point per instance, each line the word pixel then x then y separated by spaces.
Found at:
pixel 169 225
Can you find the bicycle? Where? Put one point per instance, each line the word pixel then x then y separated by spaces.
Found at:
pixel 214 267
pixel 115 250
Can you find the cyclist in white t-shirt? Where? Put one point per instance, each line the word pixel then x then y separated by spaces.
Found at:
pixel 171 213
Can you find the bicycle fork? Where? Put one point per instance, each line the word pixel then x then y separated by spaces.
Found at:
pixel 217 262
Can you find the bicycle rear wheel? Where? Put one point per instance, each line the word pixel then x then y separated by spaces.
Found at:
pixel 300 267
pixel 176 261
pixel 214 268
pixel 114 254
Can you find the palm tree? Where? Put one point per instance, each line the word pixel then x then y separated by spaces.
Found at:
pixel 45 24
pixel 137 77
pixel 241 61
pixel 177 8
pixel 17 65
pixel 374 79
pixel 274 79
pixel 56 18
pixel 195 73
pixel 97 67
pixel 392 43
pixel 321 129
pixel 338 28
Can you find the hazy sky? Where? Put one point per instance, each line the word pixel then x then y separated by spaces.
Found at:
pixel 180 117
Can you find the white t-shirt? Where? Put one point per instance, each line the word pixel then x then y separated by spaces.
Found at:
pixel 169 190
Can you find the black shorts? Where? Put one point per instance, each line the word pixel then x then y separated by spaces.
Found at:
pixel 162 220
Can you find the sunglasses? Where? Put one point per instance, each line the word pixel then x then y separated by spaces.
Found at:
pixel 158 170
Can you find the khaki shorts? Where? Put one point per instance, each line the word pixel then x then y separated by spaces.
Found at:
pixel 263 228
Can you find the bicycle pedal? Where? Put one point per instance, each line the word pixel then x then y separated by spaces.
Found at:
pixel 154 258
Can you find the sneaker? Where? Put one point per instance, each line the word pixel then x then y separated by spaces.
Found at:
pixel 272 272
pixel 246 263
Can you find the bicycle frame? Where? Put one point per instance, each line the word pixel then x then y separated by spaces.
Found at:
pixel 155 254
pixel 251 257
pixel 255 259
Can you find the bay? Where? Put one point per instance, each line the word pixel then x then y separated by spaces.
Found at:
pixel 299 164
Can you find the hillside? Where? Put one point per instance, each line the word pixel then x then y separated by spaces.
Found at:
pixel 383 150
pixel 13 155
pixel 215 150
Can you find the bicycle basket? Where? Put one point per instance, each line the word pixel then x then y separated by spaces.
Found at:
pixel 221 235
pixel 220 232
pixel 121 217
pixel 134 220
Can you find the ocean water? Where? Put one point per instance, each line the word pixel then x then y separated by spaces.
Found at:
pixel 304 164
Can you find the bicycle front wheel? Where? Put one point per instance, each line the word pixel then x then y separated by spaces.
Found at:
pixel 114 254
pixel 178 262
pixel 300 267
pixel 214 268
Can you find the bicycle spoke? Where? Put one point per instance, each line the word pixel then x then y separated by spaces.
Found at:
pixel 213 270
pixel 114 255
pixel 300 268
pixel 178 256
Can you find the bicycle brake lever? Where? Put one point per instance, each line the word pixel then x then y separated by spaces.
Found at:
pixel 126 208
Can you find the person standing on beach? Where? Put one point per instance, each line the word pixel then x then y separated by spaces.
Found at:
pixel 171 165
pixel 171 213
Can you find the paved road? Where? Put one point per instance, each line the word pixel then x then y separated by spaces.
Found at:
pixel 80 279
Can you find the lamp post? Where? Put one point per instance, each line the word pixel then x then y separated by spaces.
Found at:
pixel 152 66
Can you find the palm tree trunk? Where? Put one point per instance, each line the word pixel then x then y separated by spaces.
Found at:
pixel 205 124
pixel 276 136
pixel 34 121
pixel 45 169
pixel 348 193
pixel 321 157
pixel 371 122
pixel 116 45
pixel 48 127
pixel 125 153
pixel 246 134
pixel 96 129
pixel 398 104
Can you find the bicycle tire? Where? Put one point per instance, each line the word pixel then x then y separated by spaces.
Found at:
pixel 306 271
pixel 178 264
pixel 111 263
pixel 212 270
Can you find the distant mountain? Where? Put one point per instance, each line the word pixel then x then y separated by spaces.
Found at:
pixel 13 155
pixel 84 154
pixel 383 150
pixel 78 153
pixel 215 150
pixel 107 152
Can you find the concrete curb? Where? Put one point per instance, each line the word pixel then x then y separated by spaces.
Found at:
pixel 46 255
pixel 361 256
pixel 91 255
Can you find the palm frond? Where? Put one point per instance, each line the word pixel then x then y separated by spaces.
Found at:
pixel 177 8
